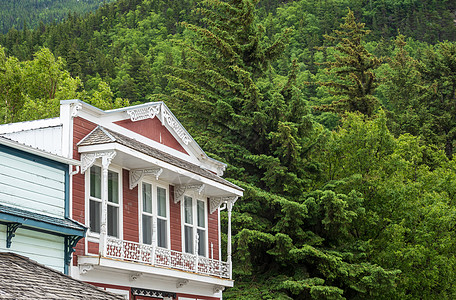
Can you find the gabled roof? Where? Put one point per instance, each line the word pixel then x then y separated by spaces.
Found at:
pixel 23 278
pixel 102 135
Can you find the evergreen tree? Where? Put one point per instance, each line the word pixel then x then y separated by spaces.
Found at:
pixel 351 75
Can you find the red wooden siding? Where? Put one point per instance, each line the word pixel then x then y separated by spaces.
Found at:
pixel 93 248
pixel 213 232
pixel 154 130
pixel 130 209
pixel 175 222
pixel 81 128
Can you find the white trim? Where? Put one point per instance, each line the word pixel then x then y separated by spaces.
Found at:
pixel 195 198
pixel 95 236
pixel 155 184
pixel 29 125
pixel 154 161
pixel 111 265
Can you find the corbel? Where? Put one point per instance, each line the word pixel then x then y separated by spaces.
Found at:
pixel 137 174
pixel 88 159
pixel 180 190
pixel 10 232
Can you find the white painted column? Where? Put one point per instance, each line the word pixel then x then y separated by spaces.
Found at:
pixel 105 162
pixel 154 238
pixel 229 205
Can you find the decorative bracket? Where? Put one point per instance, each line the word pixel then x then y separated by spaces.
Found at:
pixel 88 159
pixel 10 232
pixel 215 202
pixel 218 289
pixel 75 108
pixel 137 174
pixel 135 276
pixel 70 243
pixel 181 283
pixel 180 190
pixel 84 268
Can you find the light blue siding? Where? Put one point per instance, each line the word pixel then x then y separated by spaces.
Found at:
pixel 32 186
pixel 44 248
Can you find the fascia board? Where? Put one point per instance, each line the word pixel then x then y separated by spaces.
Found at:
pixel 29 125
pixel 38 152
pixel 152 270
pixel 160 163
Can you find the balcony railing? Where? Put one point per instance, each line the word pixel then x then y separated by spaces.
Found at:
pixel 162 257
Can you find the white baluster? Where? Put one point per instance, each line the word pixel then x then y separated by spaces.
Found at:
pixel 154 239
pixel 196 252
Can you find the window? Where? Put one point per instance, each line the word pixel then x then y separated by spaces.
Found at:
pixel 194 223
pixel 154 207
pixel 95 202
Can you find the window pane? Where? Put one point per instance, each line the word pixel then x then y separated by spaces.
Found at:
pixel 201 214
pixel 161 202
pixel 95 182
pixel 113 221
pixel 188 239
pixel 113 187
pixel 188 210
pixel 147 229
pixel 162 233
pixel 147 197
pixel 95 216
pixel 202 242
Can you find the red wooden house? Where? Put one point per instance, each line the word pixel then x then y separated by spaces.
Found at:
pixel 151 198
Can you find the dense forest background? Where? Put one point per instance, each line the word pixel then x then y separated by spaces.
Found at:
pixel 22 14
pixel 337 117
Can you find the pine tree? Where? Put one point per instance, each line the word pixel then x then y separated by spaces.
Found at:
pixel 351 75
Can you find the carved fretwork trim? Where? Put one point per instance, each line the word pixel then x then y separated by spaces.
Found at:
pixel 180 190
pixel 181 283
pixel 137 174
pixel 215 202
pixel 143 113
pixel 88 159
pixel 152 293
pixel 160 111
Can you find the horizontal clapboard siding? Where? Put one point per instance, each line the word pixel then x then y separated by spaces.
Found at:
pixel 44 248
pixel 31 185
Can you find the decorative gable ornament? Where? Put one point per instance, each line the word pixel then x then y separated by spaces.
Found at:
pixel 165 116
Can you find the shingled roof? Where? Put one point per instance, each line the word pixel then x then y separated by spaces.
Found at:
pixel 22 278
pixel 101 135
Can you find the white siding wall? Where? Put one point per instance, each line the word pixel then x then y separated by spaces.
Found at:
pixel 31 186
pixel 47 139
pixel 44 248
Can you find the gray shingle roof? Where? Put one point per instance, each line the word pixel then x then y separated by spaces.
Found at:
pixel 22 278
pixel 101 135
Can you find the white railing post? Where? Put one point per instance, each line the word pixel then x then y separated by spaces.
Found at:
pixel 154 239
pixel 105 161
pixel 196 252
pixel 230 270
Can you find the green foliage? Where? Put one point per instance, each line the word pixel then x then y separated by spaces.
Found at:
pixel 351 69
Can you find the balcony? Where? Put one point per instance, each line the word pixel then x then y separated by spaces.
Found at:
pixel 161 257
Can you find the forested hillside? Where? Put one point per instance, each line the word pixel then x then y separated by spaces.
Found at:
pixel 35 13
pixel 336 117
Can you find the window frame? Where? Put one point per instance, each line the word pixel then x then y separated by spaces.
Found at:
pixel 87 180
pixel 155 184
pixel 195 198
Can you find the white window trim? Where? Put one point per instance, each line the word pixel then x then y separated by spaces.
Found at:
pixel 195 197
pixel 155 184
pixel 94 236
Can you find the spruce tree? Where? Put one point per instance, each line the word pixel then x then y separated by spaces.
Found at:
pixel 350 69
